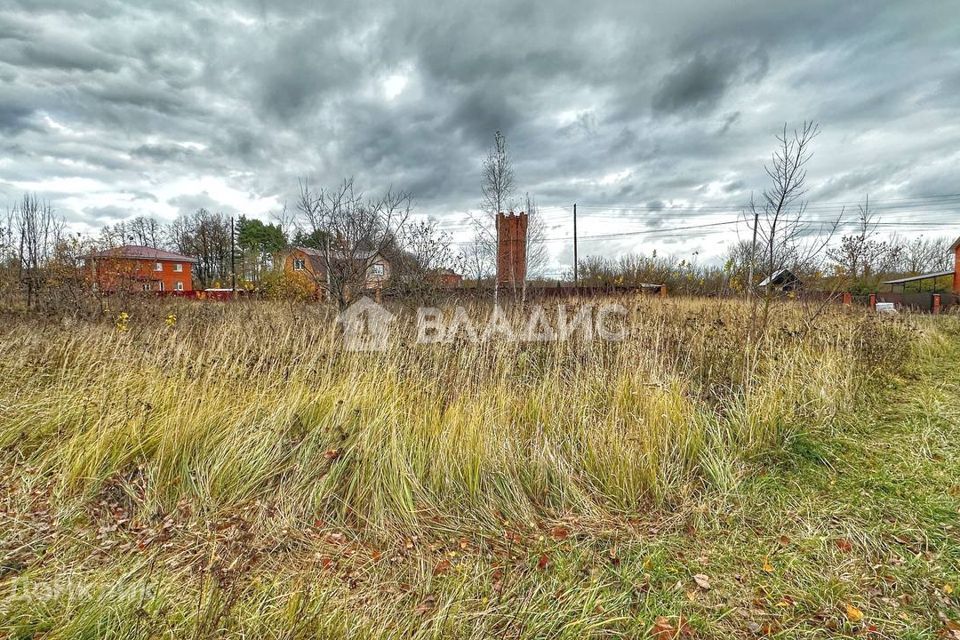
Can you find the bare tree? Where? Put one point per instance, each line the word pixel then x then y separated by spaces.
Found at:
pixel 786 237
pixel 497 186
pixel 37 231
pixel 355 228
pixel 206 236
pixel 537 254
pixel 480 254
pixel 426 252
pixel 922 255
pixel 860 256
pixel 146 232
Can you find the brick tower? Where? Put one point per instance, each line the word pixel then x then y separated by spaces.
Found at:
pixel 511 249
pixel 956 266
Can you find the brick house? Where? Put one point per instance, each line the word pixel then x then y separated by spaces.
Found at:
pixel 448 278
pixel 310 264
pixel 134 268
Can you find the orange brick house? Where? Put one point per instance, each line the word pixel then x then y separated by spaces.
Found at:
pixel 310 265
pixel 133 268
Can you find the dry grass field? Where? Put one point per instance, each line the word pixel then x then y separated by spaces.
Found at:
pixel 231 471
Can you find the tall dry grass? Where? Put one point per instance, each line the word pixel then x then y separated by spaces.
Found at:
pixel 257 403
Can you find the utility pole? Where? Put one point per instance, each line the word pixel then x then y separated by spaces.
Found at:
pixel 753 253
pixel 233 256
pixel 576 279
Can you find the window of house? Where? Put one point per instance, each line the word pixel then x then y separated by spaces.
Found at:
pixel 146 286
pixel 299 264
pixel 179 285
pixel 178 267
pixel 158 266
pixel 378 269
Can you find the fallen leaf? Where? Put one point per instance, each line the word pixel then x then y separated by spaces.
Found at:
pixel 702 581
pixel 948 588
pixel 853 614
pixel 331 454
pixel 767 567
pixel 559 533
pixel 844 545
pixel 664 629
pixel 614 559
pixel 543 561
pixel 426 606
pixel 442 567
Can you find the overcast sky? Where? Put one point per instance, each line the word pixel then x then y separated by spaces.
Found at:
pixel 640 114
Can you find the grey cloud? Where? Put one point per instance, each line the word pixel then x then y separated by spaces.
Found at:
pixel 696 84
pixel 162 152
pixel 67 55
pixel 14 118
pixel 188 203
pixel 109 214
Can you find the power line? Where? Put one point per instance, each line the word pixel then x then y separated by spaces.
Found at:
pixel 946 198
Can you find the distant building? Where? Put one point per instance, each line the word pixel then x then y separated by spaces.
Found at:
pixel 134 268
pixel 448 279
pixel 782 280
pixel 312 265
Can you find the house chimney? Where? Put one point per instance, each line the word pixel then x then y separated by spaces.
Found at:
pixel 511 249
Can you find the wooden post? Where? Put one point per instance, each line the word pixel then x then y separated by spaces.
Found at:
pixel 936 304
pixel 873 301
pixel 847 298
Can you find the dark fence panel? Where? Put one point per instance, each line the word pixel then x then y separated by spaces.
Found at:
pixel 912 301
pixel 507 294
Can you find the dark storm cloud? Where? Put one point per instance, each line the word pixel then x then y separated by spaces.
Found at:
pixel 14 118
pixel 225 104
pixel 697 84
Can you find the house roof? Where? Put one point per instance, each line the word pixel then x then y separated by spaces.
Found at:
pixel 779 276
pixel 138 252
pixel 955 244
pixel 923 276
